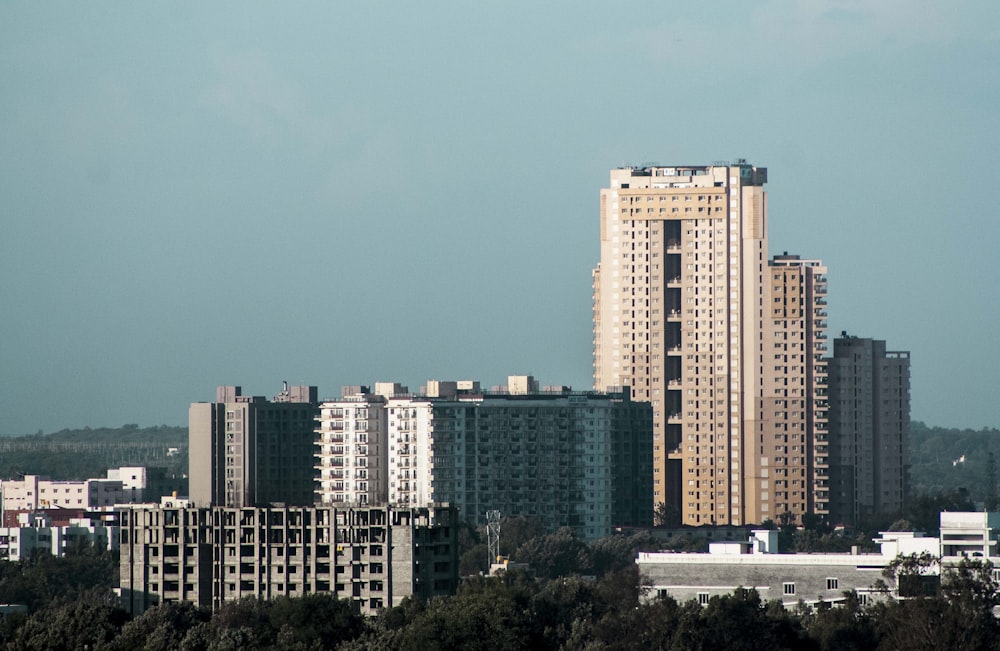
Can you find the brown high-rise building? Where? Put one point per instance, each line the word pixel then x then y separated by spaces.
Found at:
pixel 680 315
pixel 869 427
pixel 793 443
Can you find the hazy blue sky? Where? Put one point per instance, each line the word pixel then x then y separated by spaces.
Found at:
pixel 194 194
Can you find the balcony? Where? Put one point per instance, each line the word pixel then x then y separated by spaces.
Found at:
pixel 674 282
pixel 673 246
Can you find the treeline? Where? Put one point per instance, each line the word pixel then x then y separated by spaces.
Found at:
pixel 519 611
pixel 76 454
pixel 947 459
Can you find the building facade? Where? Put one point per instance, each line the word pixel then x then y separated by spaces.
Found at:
pixel 374 556
pixel 794 441
pixel 35 492
pixel 571 459
pixel 679 315
pixel 869 428
pixel 812 577
pixel 351 449
pixel 789 578
pixel 36 532
pixel 249 451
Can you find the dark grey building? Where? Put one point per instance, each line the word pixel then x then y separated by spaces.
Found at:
pixel 250 451
pixel 869 428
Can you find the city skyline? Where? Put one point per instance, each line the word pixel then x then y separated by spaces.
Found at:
pixel 198 196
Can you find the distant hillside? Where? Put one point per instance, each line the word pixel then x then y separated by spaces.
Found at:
pixel 945 459
pixel 85 453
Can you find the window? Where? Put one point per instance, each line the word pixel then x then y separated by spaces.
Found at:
pixel 788 588
pixel 703 598
pixel 832 584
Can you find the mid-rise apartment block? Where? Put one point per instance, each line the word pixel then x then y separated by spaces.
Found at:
pixel 250 451
pixel 351 449
pixel 869 428
pixel 374 556
pixel 578 459
pixel 679 316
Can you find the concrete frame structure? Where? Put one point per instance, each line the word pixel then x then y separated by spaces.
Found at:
pixel 869 428
pixel 248 451
pixel 679 316
pixel 374 556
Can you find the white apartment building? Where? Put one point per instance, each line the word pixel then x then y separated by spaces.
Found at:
pixel 351 449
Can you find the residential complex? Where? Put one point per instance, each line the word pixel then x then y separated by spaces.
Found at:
pixel 249 451
pixel 572 459
pixel 870 423
pixel 374 556
pixel 731 350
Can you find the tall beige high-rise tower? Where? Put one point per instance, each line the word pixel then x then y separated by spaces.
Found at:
pixel 679 315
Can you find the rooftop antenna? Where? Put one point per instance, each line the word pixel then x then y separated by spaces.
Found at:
pixel 493 535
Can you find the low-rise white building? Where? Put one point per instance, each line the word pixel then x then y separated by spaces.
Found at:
pixel 790 578
pixel 38 533
pixel 36 492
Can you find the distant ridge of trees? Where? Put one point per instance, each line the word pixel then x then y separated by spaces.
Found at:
pixel 75 454
pixel 947 459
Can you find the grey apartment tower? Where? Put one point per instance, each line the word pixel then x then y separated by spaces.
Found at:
pixel 250 451
pixel 869 427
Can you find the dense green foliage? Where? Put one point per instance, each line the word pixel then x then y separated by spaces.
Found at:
pixel 84 453
pixel 72 607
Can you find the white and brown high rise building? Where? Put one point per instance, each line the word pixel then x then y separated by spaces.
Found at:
pixel 679 315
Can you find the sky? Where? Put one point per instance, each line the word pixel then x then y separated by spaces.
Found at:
pixel 196 194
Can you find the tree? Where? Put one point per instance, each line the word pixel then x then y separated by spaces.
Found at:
pixel 556 554
pixel 665 515
pixel 87 622
pixel 161 628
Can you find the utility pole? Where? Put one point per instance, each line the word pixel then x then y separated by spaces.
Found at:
pixel 493 535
